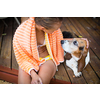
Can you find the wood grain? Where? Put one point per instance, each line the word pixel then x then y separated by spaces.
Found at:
pixel 89 29
pixel 95 23
pixel 61 74
pixel 14 62
pixel 5 58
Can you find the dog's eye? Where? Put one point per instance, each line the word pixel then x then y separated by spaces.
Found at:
pixel 75 43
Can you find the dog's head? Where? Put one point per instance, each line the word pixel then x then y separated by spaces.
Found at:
pixel 76 46
pixel 78 49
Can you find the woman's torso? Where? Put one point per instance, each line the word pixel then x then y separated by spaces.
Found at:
pixel 42 50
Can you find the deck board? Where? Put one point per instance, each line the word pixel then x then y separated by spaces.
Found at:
pixel 90 76
pixel 95 63
pixel 1 32
pixel 71 27
pixel 5 58
pixel 95 23
pixel 14 62
pixel 61 74
pixel 89 29
pixel 77 26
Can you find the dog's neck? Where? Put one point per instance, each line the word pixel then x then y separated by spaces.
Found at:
pixel 68 56
pixel 76 58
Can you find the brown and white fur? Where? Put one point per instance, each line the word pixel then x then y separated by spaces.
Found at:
pixel 77 54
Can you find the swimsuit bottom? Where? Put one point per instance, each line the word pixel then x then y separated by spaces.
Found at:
pixel 46 58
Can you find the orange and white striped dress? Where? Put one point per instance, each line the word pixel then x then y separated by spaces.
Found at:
pixel 25 46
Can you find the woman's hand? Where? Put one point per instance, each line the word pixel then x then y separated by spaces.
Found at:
pixel 35 78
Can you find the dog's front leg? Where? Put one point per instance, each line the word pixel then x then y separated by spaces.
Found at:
pixel 73 65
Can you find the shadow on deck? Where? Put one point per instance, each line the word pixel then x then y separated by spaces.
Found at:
pixel 86 27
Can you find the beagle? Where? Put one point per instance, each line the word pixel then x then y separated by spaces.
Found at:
pixel 77 54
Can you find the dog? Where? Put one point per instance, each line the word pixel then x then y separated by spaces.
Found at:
pixel 77 53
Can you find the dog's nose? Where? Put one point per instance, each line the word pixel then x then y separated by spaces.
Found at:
pixel 81 48
pixel 62 41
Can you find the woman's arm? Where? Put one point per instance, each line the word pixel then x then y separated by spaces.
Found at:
pixel 35 78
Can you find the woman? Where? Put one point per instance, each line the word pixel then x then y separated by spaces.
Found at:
pixel 38 50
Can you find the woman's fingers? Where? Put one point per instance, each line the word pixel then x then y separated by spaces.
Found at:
pixel 38 81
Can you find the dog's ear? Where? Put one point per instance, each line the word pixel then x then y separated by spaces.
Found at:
pixel 68 56
pixel 81 61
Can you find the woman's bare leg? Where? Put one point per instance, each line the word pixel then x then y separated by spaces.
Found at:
pixel 23 77
pixel 47 71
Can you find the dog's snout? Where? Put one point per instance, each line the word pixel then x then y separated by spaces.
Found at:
pixel 81 48
pixel 62 41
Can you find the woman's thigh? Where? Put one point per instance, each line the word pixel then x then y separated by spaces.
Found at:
pixel 47 71
pixel 23 77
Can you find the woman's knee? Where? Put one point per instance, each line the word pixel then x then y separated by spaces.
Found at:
pixel 47 71
pixel 23 77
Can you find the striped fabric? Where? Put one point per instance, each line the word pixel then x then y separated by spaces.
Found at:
pixel 25 46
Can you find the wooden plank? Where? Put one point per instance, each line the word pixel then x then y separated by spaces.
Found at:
pixel 1 32
pixel 74 80
pixel 1 23
pixel 89 29
pixel 8 70
pixel 95 63
pixel 5 58
pixel 90 75
pixel 61 74
pixel 8 77
pixel 15 24
pixel 85 34
pixel 65 27
pixel 14 62
pixel 55 81
pixel 70 27
pixel 97 20
pixel 95 23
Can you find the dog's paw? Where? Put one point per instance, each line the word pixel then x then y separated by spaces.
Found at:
pixel 78 74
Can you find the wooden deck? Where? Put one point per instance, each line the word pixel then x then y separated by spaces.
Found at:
pixel 86 27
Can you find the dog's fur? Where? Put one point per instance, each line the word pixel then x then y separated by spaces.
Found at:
pixel 77 53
